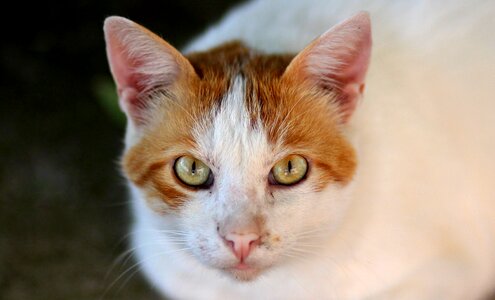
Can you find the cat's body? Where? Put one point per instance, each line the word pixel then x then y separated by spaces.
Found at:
pixel 413 219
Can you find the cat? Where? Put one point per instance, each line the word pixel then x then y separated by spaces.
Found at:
pixel 275 158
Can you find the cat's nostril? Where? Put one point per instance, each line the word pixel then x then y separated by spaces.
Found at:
pixel 242 244
pixel 230 244
pixel 254 243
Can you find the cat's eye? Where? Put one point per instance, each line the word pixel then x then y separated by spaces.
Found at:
pixel 289 170
pixel 193 172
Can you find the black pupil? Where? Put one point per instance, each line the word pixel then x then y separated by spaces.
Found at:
pixel 193 167
pixel 289 166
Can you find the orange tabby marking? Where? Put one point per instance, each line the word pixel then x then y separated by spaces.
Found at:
pixel 294 116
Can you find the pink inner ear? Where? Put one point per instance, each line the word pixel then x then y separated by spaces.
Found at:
pixel 129 82
pixel 140 62
pixel 121 69
pixel 351 76
pixel 338 61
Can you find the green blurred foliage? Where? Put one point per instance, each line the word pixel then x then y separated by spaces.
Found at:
pixel 105 93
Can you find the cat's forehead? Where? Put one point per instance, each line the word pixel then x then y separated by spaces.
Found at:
pixel 232 131
pixel 251 115
pixel 230 137
pixel 231 59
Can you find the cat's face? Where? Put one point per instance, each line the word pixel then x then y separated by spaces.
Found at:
pixel 244 151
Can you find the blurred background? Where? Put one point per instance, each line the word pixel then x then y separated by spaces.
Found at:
pixel 63 208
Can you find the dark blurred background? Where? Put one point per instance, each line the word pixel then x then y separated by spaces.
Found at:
pixel 63 210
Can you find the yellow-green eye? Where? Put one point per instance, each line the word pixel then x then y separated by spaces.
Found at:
pixel 290 170
pixel 192 171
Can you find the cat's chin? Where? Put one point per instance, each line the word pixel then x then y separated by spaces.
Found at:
pixel 245 275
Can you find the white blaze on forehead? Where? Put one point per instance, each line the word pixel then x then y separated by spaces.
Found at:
pixel 231 143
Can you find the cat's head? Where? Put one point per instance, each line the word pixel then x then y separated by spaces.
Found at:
pixel 245 151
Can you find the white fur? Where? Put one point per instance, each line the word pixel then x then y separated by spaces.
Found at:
pixel 421 217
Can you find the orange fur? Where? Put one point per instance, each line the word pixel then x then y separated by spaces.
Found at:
pixel 276 98
pixel 312 122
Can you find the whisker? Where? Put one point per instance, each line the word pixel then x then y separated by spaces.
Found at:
pixel 127 254
pixel 136 265
pixel 168 231
pixel 310 235
pixel 309 246
pixel 301 251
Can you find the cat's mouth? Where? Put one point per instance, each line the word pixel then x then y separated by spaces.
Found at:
pixel 243 271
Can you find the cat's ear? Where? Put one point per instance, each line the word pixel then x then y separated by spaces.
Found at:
pixel 141 62
pixel 337 61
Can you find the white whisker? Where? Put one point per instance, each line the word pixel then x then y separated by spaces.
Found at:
pixel 135 266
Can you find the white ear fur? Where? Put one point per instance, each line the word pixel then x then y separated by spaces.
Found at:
pixel 139 61
pixel 338 61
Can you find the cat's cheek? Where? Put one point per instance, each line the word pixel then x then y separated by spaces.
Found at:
pixel 265 256
pixel 211 252
pixel 204 243
pixel 305 219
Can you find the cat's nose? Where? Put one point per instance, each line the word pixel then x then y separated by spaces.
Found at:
pixel 242 244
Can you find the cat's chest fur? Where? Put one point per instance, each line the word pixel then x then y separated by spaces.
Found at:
pixel 312 191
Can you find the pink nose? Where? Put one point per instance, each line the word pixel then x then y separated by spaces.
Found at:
pixel 242 244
